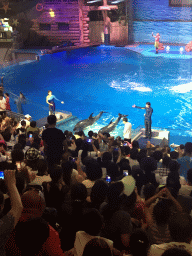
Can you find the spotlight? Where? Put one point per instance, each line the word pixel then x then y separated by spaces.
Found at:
pixel 52 14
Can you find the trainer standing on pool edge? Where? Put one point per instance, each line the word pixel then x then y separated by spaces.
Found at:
pixel 50 100
pixel 147 115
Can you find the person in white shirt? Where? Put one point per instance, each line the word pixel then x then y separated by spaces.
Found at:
pixel 127 130
pixel 186 189
pixel 180 226
pixel 91 229
pixel 27 120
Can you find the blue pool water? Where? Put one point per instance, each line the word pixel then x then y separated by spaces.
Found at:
pixel 110 79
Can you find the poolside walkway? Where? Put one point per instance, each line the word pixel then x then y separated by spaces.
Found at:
pixel 148 50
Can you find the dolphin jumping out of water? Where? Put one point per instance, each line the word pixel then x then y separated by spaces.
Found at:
pixel 111 126
pixel 81 125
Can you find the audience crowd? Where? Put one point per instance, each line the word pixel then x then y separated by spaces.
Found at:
pixel 71 194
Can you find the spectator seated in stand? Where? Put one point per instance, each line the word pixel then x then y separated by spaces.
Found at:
pixel 125 152
pixel 132 203
pixel 113 171
pixel 97 246
pixel 7 135
pixel 149 165
pixel 114 200
pixel 17 156
pixel 124 167
pixel 148 191
pixel 180 226
pixel 133 158
pixel 139 177
pixel 139 242
pixel 163 171
pixel 10 220
pixel 4 155
pixel 22 240
pixel 185 161
pixel 90 230
pixel 174 155
pixel 186 189
pixel 176 251
pixel 158 156
pixel 158 229
pixel 32 157
pixel 174 167
pixel 135 144
pixel 94 172
pixel 42 173
pixel 98 194
pixel 32 128
pixel 71 215
pixel 141 154
pixel 105 160
pixel 22 129
pixel 55 191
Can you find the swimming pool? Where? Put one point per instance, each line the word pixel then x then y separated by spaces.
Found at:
pixel 111 79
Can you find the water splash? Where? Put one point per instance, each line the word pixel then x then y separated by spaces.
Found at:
pixel 127 85
pixel 182 88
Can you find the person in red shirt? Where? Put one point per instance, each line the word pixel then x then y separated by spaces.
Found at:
pixel 33 235
pixel 8 107
pixel 157 38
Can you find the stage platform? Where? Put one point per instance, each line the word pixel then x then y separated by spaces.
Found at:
pixel 148 50
pixel 159 137
pixel 61 116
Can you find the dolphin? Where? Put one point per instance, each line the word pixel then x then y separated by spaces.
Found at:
pixel 81 125
pixel 111 126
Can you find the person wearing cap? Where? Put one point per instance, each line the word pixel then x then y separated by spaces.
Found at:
pixel 33 235
pixel 132 203
pixel 32 156
pixel 27 120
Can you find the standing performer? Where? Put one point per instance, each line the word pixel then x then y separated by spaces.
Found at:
pixel 19 101
pixel 50 100
pixel 148 115
pixel 157 38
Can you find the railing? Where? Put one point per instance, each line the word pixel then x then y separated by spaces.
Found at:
pixel 15 115
pixel 14 62
pixel 36 110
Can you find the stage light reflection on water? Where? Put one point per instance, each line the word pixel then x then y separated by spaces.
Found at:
pixel 111 79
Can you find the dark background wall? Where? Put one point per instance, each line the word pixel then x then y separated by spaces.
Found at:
pixel 173 23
